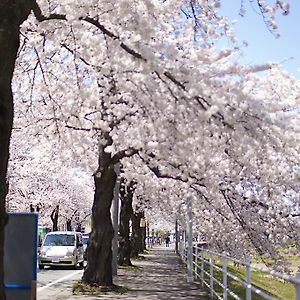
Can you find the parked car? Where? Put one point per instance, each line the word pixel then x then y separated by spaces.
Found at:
pixel 85 240
pixel 61 248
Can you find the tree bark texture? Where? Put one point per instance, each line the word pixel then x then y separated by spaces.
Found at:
pixel 137 235
pixel 126 212
pixel 99 253
pixel 12 14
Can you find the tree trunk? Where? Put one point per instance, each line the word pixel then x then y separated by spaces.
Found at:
pixel 12 14
pixel 137 235
pixel 69 225
pixel 99 254
pixel 126 212
pixel 176 237
pixel 78 227
pixel 54 218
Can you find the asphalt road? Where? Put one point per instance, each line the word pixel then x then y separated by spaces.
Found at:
pixel 56 283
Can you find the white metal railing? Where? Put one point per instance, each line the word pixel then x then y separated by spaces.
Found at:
pixel 204 267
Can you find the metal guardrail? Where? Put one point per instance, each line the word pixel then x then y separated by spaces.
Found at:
pixel 203 266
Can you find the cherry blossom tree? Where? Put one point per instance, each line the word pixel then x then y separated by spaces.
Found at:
pixel 41 180
pixel 111 79
pixel 240 183
pixel 13 14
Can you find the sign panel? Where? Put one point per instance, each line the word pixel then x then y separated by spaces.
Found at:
pixel 20 256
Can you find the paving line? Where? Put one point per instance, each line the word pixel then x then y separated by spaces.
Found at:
pixel 58 280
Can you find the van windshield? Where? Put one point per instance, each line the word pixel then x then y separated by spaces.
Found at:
pixel 59 240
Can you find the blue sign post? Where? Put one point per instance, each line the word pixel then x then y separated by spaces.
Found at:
pixel 20 256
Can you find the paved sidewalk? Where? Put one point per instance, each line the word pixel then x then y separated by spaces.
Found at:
pixel 161 277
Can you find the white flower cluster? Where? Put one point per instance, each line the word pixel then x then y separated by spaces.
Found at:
pixel 144 75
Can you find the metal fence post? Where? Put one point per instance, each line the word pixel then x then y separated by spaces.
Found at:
pixel 225 262
pixel 202 268
pixel 190 241
pixel 184 246
pixel 196 261
pixel 297 286
pixel 248 279
pixel 211 274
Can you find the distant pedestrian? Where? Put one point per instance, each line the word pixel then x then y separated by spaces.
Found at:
pixel 167 240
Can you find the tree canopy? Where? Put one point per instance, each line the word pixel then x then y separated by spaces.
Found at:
pixel 143 83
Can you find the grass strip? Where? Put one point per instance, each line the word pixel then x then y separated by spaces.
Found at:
pixel 265 282
pixel 80 288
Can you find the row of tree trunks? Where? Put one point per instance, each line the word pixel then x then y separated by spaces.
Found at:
pixel 12 14
pixel 126 213
pixel 138 234
pixel 134 245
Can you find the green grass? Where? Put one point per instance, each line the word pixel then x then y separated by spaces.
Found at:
pixel 129 268
pixel 292 260
pixel 274 287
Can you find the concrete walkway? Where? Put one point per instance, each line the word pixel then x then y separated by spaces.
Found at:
pixel 161 277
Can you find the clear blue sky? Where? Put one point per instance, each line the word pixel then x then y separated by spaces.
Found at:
pixel 262 45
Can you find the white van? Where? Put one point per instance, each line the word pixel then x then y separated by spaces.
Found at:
pixel 61 248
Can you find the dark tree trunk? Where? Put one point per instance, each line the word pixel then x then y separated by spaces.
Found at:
pixel 137 235
pixel 176 237
pixel 69 225
pixel 54 218
pixel 12 14
pixel 126 212
pixel 78 227
pixel 99 254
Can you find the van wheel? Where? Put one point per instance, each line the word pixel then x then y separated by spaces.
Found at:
pixel 41 267
pixel 81 264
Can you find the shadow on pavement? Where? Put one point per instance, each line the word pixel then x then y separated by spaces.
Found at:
pixel 161 277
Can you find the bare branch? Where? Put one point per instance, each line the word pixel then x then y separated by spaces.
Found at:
pixel 123 153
